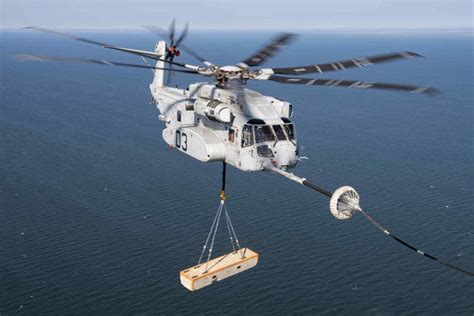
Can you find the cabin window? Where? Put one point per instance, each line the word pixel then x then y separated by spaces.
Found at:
pixel 263 133
pixel 290 131
pixel 231 135
pixel 178 116
pixel 247 136
pixel 280 134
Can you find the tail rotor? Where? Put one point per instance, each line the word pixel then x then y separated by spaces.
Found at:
pixel 173 49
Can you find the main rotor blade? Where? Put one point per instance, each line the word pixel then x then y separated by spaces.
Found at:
pixel 345 64
pixel 197 56
pixel 77 38
pixel 143 53
pixel 267 51
pixel 32 57
pixel 354 84
pixel 163 34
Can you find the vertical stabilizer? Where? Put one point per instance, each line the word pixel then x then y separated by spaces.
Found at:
pixel 158 80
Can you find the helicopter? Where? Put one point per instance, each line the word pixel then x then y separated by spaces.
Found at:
pixel 223 121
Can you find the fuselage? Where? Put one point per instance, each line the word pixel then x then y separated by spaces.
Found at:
pixel 239 126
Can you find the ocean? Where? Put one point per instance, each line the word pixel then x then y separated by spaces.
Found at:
pixel 98 215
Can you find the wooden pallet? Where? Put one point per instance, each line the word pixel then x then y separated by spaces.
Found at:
pixel 219 268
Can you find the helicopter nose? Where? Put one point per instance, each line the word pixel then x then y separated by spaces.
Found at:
pixel 284 154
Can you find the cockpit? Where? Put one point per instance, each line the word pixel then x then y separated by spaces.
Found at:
pixel 256 131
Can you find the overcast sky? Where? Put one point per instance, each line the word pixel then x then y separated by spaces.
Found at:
pixel 239 14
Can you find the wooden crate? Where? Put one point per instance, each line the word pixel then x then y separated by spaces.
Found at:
pixel 219 268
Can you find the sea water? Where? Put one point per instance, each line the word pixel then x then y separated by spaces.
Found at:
pixel 98 215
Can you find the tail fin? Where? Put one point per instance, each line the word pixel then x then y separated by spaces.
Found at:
pixel 159 78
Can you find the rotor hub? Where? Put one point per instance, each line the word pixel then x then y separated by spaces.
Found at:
pixel 344 202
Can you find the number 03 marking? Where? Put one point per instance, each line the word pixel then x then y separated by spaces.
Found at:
pixel 182 141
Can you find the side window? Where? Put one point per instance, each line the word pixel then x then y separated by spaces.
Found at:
pixel 178 116
pixel 231 135
pixel 247 136
pixel 290 130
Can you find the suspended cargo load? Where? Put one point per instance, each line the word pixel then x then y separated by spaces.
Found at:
pixel 217 269
pixel 213 270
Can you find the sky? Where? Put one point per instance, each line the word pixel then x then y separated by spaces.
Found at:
pixel 239 14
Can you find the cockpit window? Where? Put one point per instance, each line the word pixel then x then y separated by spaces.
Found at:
pixel 290 130
pixel 247 136
pixel 280 134
pixel 263 134
pixel 266 133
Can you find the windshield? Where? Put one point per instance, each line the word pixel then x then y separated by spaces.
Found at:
pixel 263 133
pixel 290 131
pixel 266 133
pixel 280 134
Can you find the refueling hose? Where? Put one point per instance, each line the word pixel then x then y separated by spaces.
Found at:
pixel 318 189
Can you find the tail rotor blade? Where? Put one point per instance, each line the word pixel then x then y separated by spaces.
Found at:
pixel 158 31
pixel 171 31
pixel 183 34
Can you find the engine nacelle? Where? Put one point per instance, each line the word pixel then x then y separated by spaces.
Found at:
pixel 214 110
pixel 284 108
